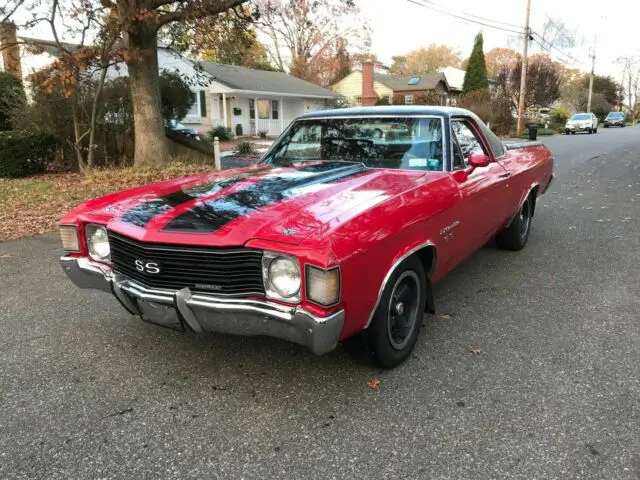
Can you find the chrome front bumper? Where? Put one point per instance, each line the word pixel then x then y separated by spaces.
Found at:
pixel 198 312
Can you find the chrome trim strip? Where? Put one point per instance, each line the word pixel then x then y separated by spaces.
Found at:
pixel 396 264
pixel 170 247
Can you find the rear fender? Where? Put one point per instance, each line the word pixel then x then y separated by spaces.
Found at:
pixel 533 189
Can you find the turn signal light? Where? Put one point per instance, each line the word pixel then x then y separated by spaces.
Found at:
pixel 69 237
pixel 323 286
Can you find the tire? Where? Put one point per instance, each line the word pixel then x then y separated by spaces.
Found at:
pixel 573 133
pixel 516 235
pixel 397 321
pixel 590 131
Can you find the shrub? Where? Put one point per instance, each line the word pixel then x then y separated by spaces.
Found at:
pixel 12 98
pixel 223 133
pixel 496 111
pixel 244 148
pixel 428 98
pixel 382 101
pixel 262 134
pixel 176 96
pixel 559 116
pixel 23 153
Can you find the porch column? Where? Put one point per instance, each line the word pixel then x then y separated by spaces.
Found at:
pixel 257 119
pixel 224 109
pixel 281 115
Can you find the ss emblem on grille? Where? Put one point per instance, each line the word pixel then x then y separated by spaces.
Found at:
pixel 148 267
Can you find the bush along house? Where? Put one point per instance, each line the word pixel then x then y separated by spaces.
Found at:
pixel 367 87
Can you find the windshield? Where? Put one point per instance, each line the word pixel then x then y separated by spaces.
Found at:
pixel 615 115
pixel 407 143
pixel 581 116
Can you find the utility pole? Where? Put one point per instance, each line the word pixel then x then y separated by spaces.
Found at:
pixel 593 67
pixel 525 63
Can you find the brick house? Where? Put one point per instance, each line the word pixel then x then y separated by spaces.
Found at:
pixel 365 87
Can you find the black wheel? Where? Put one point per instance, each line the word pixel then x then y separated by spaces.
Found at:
pixel 590 131
pixel 596 130
pixel 573 133
pixel 397 321
pixel 516 235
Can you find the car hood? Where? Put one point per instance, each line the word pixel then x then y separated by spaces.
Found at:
pixel 283 204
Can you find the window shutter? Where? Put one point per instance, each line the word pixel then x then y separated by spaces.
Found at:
pixel 203 104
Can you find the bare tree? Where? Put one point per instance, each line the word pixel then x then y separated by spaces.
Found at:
pixel 631 84
pixel 301 30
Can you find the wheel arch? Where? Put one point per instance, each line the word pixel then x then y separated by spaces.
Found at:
pixel 427 254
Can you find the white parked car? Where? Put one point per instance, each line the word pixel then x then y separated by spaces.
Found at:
pixel 582 122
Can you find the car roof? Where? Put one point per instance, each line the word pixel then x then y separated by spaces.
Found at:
pixel 399 110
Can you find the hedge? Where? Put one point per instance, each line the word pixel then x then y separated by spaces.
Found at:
pixel 24 153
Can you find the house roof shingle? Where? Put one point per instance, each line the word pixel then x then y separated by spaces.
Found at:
pixel 427 81
pixel 241 78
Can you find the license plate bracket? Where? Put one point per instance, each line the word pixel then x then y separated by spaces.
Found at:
pixel 160 314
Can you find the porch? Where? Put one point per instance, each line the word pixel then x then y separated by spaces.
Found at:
pixel 259 112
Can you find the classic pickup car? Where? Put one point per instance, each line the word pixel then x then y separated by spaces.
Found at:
pixel 335 232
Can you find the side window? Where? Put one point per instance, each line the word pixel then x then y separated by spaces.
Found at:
pixel 467 141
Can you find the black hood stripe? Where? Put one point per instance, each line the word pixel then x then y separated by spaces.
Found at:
pixel 143 213
pixel 213 215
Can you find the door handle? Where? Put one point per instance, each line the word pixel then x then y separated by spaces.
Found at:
pixel 504 175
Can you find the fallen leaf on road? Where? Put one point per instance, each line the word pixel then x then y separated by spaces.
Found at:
pixel 6 255
pixel 588 208
pixel 446 316
pixel 476 351
pixel 600 220
pixel 373 383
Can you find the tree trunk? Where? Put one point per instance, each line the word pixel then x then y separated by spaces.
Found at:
pixel 77 146
pixel 151 145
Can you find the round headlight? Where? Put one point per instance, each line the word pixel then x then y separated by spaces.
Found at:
pixel 98 243
pixel 284 276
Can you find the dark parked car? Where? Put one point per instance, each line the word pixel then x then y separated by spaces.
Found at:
pixel 180 128
pixel 614 119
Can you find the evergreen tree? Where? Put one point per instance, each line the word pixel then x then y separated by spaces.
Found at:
pixel 476 77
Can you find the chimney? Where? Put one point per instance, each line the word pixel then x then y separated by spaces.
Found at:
pixel 369 95
pixel 10 49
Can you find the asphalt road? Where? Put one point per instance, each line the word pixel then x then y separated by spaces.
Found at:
pixel 87 391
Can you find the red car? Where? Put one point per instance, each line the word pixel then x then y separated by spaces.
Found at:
pixel 334 233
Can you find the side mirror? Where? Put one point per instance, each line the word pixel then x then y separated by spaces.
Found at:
pixel 478 160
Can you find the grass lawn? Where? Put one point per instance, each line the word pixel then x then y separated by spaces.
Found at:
pixel 33 205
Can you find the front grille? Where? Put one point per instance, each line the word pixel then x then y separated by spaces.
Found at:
pixel 221 271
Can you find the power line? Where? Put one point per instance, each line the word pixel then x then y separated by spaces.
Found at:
pixel 460 17
pixel 550 46
pixel 478 16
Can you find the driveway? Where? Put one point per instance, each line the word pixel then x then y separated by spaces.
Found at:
pixel 89 392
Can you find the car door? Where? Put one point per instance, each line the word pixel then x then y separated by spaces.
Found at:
pixel 484 194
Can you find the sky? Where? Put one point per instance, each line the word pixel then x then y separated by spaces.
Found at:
pixel 399 26
pixel 407 26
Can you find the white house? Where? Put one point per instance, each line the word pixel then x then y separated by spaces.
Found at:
pixel 226 95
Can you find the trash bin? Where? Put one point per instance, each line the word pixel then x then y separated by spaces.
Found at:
pixel 533 132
